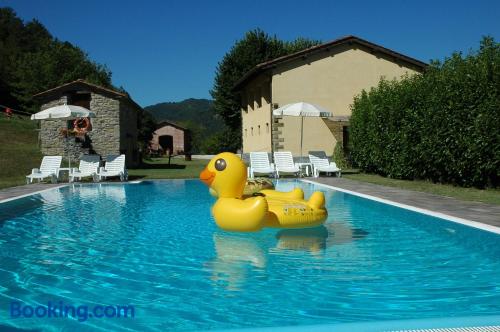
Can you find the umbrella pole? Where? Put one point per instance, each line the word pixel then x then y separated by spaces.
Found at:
pixel 301 135
pixel 69 156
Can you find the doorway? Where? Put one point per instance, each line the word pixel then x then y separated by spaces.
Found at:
pixel 167 143
pixel 345 140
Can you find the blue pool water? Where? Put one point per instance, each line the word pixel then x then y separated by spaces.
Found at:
pixel 155 246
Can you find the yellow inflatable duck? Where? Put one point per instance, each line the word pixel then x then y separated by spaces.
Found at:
pixel 226 176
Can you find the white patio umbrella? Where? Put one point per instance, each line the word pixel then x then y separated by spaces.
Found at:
pixel 64 112
pixel 302 109
pixel 68 112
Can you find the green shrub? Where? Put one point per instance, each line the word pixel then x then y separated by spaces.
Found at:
pixel 339 157
pixel 443 125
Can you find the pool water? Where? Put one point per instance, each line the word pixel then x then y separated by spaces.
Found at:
pixel 154 246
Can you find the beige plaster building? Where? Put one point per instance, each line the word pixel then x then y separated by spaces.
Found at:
pixel 328 75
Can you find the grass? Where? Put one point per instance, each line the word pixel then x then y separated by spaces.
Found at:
pixel 19 150
pixel 489 196
pixel 158 168
pixel 19 153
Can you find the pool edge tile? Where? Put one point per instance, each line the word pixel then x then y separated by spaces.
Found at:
pixel 470 223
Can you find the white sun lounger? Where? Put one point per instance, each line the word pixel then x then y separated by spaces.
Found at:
pixel 89 165
pixel 284 163
pixel 259 163
pixel 48 169
pixel 115 166
pixel 323 165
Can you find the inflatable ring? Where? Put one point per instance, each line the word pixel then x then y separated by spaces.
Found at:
pixel 81 125
pixel 226 177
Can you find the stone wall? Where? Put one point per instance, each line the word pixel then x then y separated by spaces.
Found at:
pixel 277 134
pixel 103 139
pixel 51 141
pixel 105 134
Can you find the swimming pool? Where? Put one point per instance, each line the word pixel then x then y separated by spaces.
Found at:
pixel 154 246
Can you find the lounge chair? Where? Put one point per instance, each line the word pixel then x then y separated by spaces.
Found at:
pixel 284 163
pixel 89 165
pixel 259 163
pixel 115 166
pixel 321 164
pixel 48 169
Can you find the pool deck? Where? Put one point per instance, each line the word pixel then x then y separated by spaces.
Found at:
pixel 474 211
pixel 28 189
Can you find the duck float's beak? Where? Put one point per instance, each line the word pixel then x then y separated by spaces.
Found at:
pixel 207 177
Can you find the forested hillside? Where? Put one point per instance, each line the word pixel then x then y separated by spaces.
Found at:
pixel 32 60
pixel 195 114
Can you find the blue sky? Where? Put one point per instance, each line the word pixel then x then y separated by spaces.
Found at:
pixel 168 50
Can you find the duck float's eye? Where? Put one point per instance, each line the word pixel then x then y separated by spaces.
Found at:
pixel 220 165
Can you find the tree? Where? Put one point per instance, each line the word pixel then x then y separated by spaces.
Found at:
pixel 146 127
pixel 32 60
pixel 256 47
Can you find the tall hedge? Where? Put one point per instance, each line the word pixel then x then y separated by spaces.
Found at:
pixel 442 125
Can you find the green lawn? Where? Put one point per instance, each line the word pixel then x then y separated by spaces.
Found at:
pixel 158 168
pixel 19 151
pixel 489 196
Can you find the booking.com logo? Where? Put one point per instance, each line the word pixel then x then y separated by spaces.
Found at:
pixel 62 310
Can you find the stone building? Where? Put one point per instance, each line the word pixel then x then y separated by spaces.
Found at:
pixel 172 137
pixel 329 75
pixel 113 130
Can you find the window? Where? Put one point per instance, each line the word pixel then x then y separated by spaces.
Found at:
pixel 345 139
pixel 79 98
pixel 258 97
pixel 251 130
pixel 267 128
pixel 258 129
pixel 266 95
pixel 250 100
pixel 245 133
pixel 84 124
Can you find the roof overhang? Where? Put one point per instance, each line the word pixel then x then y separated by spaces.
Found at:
pixel 348 40
pixel 82 86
